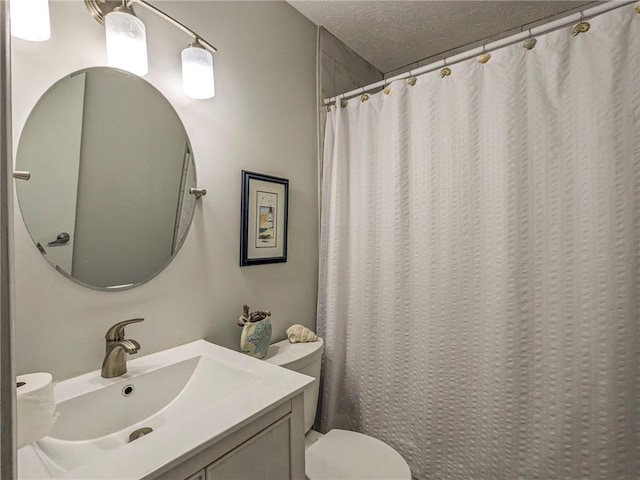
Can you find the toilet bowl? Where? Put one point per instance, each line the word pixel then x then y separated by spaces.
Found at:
pixel 340 454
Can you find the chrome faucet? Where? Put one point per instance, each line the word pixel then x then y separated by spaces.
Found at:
pixel 115 360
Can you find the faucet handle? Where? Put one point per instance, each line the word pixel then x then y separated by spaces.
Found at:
pixel 116 332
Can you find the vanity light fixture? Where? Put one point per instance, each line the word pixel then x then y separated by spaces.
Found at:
pixel 30 19
pixel 197 71
pixel 126 40
pixel 127 29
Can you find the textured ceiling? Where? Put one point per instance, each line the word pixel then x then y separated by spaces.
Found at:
pixel 392 34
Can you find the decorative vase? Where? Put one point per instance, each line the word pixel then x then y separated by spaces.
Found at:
pixel 256 338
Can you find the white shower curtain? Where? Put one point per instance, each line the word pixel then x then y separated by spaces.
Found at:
pixel 480 262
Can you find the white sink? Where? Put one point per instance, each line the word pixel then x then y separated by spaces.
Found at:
pixel 188 395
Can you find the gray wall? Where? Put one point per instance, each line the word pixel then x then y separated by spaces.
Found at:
pixel 342 69
pixel 263 119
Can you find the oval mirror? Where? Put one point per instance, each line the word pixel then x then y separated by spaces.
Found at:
pixel 107 203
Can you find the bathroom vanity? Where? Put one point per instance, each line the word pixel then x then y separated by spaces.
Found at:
pixel 197 411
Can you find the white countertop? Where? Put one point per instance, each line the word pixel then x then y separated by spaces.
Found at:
pixel 193 424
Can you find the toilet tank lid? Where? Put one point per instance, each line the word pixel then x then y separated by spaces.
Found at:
pixel 285 354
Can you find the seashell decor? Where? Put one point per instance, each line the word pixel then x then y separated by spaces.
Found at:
pixel 252 317
pixel 300 334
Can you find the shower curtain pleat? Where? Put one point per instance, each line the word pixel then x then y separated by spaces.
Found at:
pixel 480 262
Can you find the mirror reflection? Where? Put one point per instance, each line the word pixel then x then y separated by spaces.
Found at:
pixel 108 201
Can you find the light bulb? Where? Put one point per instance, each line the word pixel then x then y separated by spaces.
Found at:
pixel 197 72
pixel 126 42
pixel 30 19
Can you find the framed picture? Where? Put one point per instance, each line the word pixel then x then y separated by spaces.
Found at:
pixel 263 219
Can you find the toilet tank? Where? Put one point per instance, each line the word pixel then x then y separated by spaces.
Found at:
pixel 303 358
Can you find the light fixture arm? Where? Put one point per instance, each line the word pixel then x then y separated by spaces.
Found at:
pixel 125 7
pixel 175 22
pixel 127 44
pixel 100 8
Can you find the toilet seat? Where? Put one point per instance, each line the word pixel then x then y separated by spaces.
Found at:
pixel 342 455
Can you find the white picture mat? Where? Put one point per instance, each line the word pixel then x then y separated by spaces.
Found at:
pixel 252 224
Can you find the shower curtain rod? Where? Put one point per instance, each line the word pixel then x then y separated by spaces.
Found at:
pixel 505 42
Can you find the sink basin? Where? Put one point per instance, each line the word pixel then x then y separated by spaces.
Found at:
pixel 187 396
pixel 103 419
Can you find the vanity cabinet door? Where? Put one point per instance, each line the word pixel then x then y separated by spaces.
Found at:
pixel 266 456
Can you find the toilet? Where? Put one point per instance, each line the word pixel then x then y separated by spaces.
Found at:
pixel 340 454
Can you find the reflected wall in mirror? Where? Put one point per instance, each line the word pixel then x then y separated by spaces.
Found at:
pixel 108 202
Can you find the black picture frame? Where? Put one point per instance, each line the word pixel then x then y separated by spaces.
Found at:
pixel 264 211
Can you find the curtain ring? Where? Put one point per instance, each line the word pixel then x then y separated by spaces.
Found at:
pixel 581 27
pixel 386 89
pixel 411 81
pixel 446 71
pixel 530 42
pixel 485 57
pixel 364 97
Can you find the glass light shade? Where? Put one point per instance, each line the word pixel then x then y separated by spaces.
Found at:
pixel 126 42
pixel 30 20
pixel 197 73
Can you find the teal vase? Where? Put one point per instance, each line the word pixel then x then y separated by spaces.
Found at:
pixel 256 338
